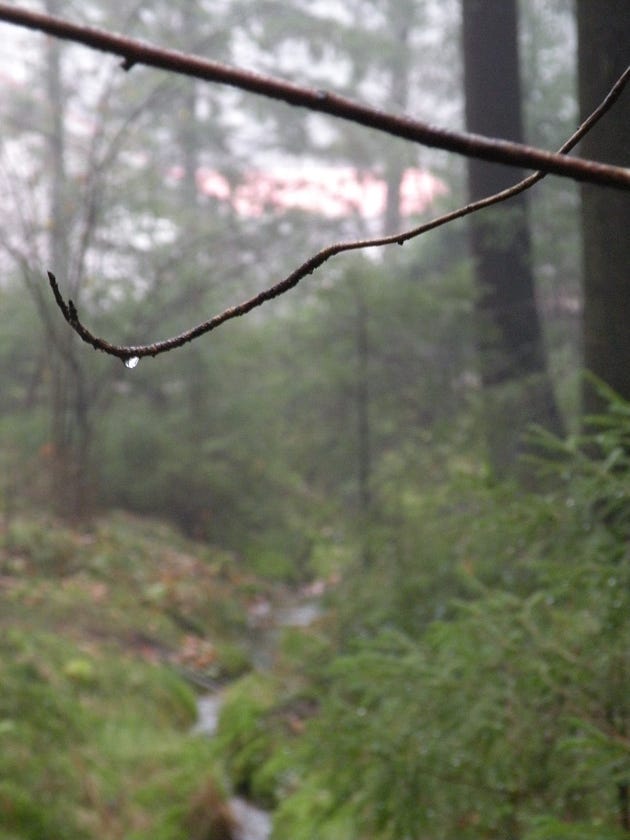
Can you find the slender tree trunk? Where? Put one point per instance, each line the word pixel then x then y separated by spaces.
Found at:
pixel 399 99
pixel 71 430
pixel 189 135
pixel 603 53
pixel 363 403
pixel 363 430
pixel 188 129
pixel 62 473
pixel 517 389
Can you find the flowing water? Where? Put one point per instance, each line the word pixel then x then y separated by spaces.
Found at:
pixel 253 822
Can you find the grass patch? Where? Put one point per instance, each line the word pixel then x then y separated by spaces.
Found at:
pixel 94 719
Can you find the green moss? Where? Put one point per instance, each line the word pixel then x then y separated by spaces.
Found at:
pixel 94 724
pixel 249 735
pixel 233 660
pixel 23 816
pixel 50 548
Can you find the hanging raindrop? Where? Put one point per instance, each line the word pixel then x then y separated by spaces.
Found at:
pixel 131 362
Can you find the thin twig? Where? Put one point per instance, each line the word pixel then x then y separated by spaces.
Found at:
pixel 126 352
pixel 134 52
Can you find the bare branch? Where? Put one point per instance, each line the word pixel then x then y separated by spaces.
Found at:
pixel 135 352
pixel 135 52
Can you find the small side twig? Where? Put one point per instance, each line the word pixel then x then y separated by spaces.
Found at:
pixel 127 352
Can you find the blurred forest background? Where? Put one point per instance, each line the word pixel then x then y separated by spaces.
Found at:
pixel 469 673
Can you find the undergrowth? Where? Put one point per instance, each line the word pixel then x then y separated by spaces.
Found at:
pixel 96 626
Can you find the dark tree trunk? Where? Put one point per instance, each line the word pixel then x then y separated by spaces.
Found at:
pixel 512 355
pixel 603 53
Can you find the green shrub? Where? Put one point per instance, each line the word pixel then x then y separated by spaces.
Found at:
pixel 463 723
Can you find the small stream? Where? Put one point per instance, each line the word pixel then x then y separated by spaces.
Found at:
pixel 253 822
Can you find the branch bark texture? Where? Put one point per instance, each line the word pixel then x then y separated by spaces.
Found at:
pixel 135 52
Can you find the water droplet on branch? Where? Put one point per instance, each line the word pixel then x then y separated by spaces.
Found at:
pixel 131 362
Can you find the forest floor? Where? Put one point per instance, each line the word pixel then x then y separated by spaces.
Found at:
pixel 103 630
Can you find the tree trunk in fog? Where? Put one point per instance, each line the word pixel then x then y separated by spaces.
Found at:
pixel 603 53
pixel 190 135
pixel 517 389
pixel 364 446
pixel 70 425
pixel 187 127
pixel 399 97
